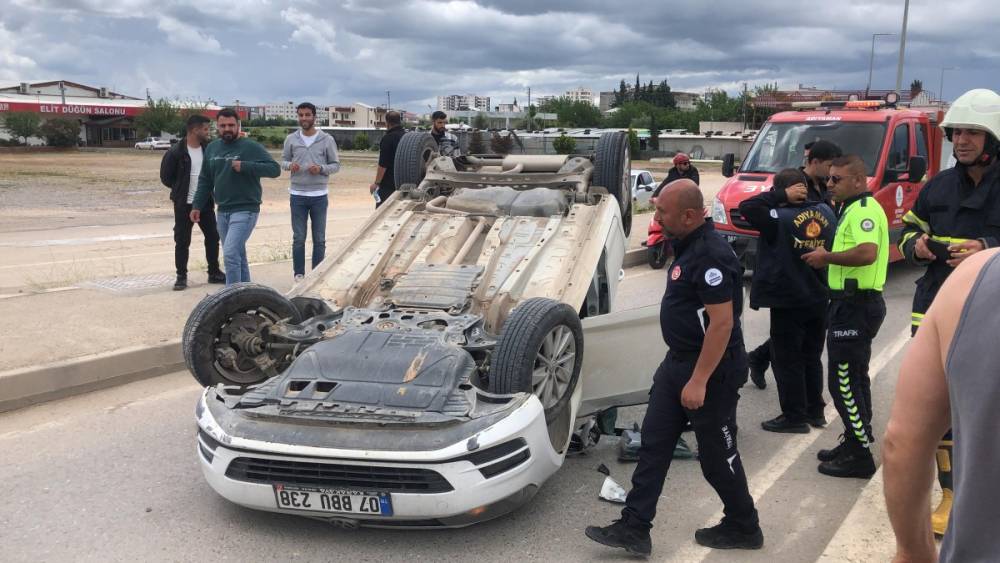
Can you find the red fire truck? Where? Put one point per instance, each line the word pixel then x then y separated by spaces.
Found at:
pixel 902 148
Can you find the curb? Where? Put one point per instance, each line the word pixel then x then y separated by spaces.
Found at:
pixel 24 387
pixel 28 386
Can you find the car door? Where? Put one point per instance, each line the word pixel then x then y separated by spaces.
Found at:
pixel 897 192
pixel 621 352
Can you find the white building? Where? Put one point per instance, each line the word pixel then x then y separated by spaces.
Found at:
pixel 509 108
pixel 282 110
pixel 458 102
pixel 686 101
pixel 581 94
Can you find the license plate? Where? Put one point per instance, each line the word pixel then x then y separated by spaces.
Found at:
pixel 315 499
pixel 731 238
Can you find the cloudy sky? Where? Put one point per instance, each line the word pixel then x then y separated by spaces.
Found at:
pixel 354 50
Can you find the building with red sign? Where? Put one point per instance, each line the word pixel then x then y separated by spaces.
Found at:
pixel 107 118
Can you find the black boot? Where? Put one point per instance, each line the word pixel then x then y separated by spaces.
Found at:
pixel 783 425
pixel 758 366
pixel 633 539
pixel 817 420
pixel 832 453
pixel 854 461
pixel 216 277
pixel 181 283
pixel 728 536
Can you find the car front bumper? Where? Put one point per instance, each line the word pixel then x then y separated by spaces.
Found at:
pixel 484 477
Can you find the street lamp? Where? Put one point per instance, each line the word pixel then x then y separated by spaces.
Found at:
pixel 871 60
pixel 941 88
pixel 902 48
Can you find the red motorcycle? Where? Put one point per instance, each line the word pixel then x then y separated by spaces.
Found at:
pixel 658 248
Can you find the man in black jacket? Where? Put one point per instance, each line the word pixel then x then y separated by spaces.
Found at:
pixel 682 170
pixel 179 171
pixel 791 225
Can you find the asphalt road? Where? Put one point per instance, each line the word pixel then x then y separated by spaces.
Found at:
pixel 113 476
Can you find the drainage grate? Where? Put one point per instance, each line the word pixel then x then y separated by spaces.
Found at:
pixel 126 284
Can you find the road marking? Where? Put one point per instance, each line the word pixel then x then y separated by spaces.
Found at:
pixel 765 478
pixel 79 241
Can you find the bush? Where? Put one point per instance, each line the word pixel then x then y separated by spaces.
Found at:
pixel 633 143
pixel 61 132
pixel 564 144
pixel 346 145
pixel 361 140
pixel 276 141
pixel 501 144
pixel 476 145
pixel 22 124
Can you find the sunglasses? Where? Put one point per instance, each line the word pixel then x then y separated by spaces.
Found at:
pixel 837 179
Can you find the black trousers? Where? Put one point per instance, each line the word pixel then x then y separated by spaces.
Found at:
pixel 182 237
pixel 797 338
pixel 854 323
pixel 714 427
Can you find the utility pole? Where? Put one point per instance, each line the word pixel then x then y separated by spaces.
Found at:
pixel 529 109
pixel 902 49
pixel 744 130
pixel 871 61
pixel 388 101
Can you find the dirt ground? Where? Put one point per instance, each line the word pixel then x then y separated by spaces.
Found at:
pixel 54 190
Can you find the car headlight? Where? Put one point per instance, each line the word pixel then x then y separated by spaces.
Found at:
pixel 719 212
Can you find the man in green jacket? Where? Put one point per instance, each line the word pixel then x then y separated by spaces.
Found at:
pixel 231 174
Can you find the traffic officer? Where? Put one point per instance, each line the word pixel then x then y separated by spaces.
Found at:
pixel 819 156
pixel 857 264
pixel 699 380
pixel 790 225
pixel 956 215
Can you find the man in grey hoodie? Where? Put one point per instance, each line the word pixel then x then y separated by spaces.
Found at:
pixel 311 156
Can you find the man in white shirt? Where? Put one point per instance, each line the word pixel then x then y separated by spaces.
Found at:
pixel 179 171
pixel 311 157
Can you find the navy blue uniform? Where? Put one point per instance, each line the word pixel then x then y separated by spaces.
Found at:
pixel 705 272
pixel 795 292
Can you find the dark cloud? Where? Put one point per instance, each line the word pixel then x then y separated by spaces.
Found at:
pixel 355 50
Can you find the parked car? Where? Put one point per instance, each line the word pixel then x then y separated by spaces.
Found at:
pixel 153 143
pixel 434 371
pixel 643 186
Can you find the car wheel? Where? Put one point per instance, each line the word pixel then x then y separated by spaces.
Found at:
pixel 415 151
pixel 540 351
pixel 613 170
pixel 224 338
pixel 658 255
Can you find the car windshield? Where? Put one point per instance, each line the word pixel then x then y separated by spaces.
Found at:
pixel 781 145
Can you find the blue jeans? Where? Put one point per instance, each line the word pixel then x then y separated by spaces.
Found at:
pixel 308 208
pixel 235 229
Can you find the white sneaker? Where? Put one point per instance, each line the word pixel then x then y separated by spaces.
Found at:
pixel 299 277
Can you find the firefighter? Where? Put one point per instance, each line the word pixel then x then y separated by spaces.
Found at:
pixel 790 225
pixel 699 380
pixel 858 263
pixel 956 215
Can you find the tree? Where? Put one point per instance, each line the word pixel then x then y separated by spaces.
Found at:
pixel 22 124
pixel 159 116
pixel 654 133
pixel 573 114
pixel 564 144
pixel 476 145
pixel 480 121
pixel 501 144
pixel 61 132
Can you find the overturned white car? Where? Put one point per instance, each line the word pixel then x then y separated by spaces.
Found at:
pixel 433 372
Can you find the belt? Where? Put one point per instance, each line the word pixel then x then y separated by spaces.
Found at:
pixel 688 355
pixel 855 295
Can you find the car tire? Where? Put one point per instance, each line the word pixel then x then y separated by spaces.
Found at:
pixel 539 327
pixel 241 310
pixel 613 171
pixel 415 151
pixel 657 255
